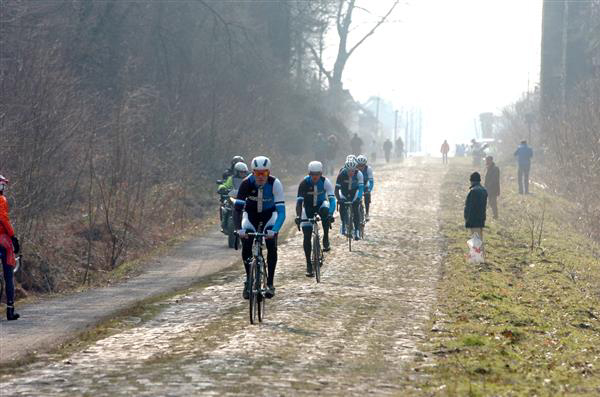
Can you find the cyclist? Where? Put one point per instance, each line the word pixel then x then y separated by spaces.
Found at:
pixel 230 171
pixel 315 195
pixel 9 246
pixel 368 176
pixel 260 199
pixel 349 187
pixel 232 184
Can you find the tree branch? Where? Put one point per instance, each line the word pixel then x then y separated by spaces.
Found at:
pixel 370 33
pixel 319 61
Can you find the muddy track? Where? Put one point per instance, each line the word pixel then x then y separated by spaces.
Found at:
pixel 352 334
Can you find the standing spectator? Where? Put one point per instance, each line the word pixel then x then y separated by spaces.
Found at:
pixel 356 144
pixel 387 149
pixel 477 151
pixel 523 154
pixel 475 206
pixel 492 184
pixel 9 246
pixel 400 149
pixel 444 150
pixel 332 148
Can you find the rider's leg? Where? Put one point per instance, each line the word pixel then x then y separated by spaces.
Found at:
pixel 367 203
pixel 324 213
pixel 307 243
pixel 356 216
pixel 271 259
pixel 343 216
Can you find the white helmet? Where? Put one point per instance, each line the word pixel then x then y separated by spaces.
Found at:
pixel 350 164
pixel 361 159
pixel 3 183
pixel 260 163
pixel 240 167
pixel 350 156
pixel 315 167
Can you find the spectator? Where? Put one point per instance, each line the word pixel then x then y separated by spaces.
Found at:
pixel 475 206
pixel 332 148
pixel 523 154
pixel 492 184
pixel 387 149
pixel 356 145
pixel 400 149
pixel 444 150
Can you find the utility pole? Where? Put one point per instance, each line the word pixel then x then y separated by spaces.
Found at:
pixel 377 119
pixel 395 126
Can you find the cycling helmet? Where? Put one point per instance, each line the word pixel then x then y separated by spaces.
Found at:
pixel 260 163
pixel 240 168
pixel 3 183
pixel 350 156
pixel 237 159
pixel 315 167
pixel 350 164
pixel 361 159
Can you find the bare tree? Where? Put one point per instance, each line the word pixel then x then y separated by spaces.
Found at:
pixel 343 24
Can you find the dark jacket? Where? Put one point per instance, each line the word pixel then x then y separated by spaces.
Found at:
pixel 475 206
pixel 492 180
pixel 524 154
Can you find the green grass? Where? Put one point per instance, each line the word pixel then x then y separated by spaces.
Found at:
pixel 527 322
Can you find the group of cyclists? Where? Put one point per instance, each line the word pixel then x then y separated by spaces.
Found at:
pixel 259 200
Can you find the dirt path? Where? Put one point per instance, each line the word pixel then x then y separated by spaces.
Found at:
pixel 350 335
pixel 46 325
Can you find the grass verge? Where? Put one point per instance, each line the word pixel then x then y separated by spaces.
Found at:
pixel 527 321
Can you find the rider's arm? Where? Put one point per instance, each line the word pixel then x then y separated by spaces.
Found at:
pixel 240 203
pixel 4 219
pixel 300 198
pixel 279 205
pixel 361 186
pixel 338 188
pixel 330 196
pixel 225 187
pixel 371 180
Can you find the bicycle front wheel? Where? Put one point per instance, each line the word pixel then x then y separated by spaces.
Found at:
pixel 349 230
pixel 253 299
pixel 316 257
pixel 262 286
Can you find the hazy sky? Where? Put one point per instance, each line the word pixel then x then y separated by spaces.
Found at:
pixel 454 59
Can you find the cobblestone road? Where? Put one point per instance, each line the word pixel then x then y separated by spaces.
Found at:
pixel 352 334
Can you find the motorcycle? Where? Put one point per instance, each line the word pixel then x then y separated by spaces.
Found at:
pixel 226 214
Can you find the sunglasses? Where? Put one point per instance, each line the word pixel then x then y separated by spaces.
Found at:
pixel 261 172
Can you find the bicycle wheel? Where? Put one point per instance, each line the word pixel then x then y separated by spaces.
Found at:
pixel 253 299
pixel 262 286
pixel 316 256
pixel 362 221
pixel 349 228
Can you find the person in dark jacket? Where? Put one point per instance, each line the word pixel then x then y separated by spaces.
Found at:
pixel 523 154
pixel 492 184
pixel 475 206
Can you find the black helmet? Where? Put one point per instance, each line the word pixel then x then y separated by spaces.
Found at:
pixel 237 159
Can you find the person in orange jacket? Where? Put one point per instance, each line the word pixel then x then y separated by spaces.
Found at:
pixel 9 246
pixel 444 150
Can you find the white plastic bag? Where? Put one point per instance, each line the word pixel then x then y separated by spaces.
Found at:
pixel 475 254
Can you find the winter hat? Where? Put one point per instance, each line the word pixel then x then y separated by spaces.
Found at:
pixel 475 177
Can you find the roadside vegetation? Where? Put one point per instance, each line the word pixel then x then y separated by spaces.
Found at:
pixel 527 321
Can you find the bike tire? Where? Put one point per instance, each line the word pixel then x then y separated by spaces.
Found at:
pixel 262 284
pixel 253 298
pixel 316 257
pixel 350 230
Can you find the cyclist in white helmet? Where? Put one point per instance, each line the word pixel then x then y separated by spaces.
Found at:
pixel 315 195
pixel 349 187
pixel 369 181
pixel 260 199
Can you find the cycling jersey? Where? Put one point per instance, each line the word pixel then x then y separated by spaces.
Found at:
pixel 368 175
pixel 350 188
pixel 261 203
pixel 314 196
